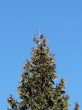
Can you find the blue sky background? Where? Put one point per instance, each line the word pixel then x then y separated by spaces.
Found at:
pixel 61 22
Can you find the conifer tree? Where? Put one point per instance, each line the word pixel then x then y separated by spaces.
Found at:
pixel 76 106
pixel 36 89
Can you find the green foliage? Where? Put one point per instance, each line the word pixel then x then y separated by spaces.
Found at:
pixel 76 106
pixel 36 89
pixel 12 103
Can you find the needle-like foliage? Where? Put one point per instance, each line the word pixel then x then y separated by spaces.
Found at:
pixel 38 90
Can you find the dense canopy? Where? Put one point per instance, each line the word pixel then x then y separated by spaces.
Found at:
pixel 38 89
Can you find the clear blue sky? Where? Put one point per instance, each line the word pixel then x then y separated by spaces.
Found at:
pixel 60 21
